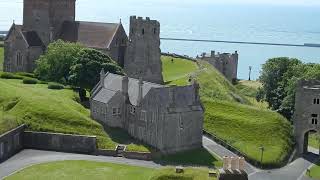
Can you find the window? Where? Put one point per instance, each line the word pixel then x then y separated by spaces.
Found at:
pixel 314 119
pixel 116 111
pixel 154 31
pixel 143 115
pixel 19 58
pixel 132 110
pixel 180 122
pixel 142 31
pixel 316 101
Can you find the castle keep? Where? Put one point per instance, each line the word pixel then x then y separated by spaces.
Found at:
pixel 143 52
pixel 226 63
pixel 307 112
pixel 167 118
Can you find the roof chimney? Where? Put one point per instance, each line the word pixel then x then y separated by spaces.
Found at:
pixel 125 85
pixel 102 76
pixel 140 91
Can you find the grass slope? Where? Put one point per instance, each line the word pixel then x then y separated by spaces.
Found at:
pixel 232 116
pixel 47 110
pixel 177 69
pixel 1 58
pixel 99 170
pixel 315 171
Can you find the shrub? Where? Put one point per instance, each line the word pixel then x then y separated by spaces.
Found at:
pixel 30 75
pixel 30 81
pixel 7 75
pixel 55 86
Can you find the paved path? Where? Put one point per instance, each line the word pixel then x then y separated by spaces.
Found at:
pixel 221 151
pixel 293 171
pixel 31 157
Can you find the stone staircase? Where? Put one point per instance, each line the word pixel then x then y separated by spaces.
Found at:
pixel 120 149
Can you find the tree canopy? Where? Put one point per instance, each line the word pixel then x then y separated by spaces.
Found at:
pixel 73 64
pixel 279 77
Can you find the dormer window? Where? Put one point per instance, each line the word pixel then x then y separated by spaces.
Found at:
pixel 314 119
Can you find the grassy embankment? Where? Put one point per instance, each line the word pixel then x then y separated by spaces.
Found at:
pixel 99 170
pixel 232 116
pixel 1 58
pixel 47 110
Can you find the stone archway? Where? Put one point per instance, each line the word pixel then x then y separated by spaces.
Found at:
pixel 306 142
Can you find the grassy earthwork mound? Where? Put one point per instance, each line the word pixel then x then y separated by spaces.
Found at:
pixel 234 116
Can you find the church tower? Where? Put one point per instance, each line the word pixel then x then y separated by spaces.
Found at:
pixel 46 17
pixel 143 57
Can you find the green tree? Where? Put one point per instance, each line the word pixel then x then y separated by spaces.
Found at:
pixel 55 64
pixel 85 70
pixel 279 77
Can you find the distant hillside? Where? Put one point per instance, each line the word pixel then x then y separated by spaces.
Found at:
pixel 234 117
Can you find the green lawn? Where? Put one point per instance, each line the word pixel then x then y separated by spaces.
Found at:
pixel 177 69
pixel 47 110
pixel 238 119
pixel 99 170
pixel 313 140
pixel 1 58
pixel 315 171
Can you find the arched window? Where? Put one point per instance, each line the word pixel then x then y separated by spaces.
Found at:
pixel 19 58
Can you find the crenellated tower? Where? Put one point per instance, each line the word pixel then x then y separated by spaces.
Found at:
pixel 143 57
pixel 46 17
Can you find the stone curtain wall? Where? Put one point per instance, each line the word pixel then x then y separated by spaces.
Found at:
pixel 11 143
pixel 59 142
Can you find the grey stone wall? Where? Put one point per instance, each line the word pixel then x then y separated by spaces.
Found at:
pixel 307 95
pixel 11 143
pixel 60 142
pixel 118 46
pixel 13 45
pixel 225 63
pixel 143 53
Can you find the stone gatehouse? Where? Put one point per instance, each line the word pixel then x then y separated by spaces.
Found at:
pixel 307 112
pixel 226 63
pixel 167 118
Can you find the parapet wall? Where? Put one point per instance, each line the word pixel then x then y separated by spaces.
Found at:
pixel 11 143
pixel 60 142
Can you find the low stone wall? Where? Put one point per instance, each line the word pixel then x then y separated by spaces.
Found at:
pixel 60 142
pixel 105 152
pixel 11 143
pixel 138 155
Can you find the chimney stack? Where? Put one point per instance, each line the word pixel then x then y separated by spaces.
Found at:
pixel 102 76
pixel 140 90
pixel 125 85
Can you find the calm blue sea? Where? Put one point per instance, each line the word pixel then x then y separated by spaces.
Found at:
pixel 274 24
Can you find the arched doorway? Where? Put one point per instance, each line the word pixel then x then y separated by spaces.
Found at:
pixel 311 142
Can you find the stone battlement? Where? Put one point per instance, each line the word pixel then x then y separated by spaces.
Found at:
pixel 144 20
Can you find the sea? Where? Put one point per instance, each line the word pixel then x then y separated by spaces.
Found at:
pixel 213 21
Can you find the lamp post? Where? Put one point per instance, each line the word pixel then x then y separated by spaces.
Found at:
pixel 250 68
pixel 262 150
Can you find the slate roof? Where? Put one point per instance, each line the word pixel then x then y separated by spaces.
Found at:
pixel 113 84
pixel 90 34
pixel 31 37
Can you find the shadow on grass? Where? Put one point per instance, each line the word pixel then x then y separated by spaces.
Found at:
pixel 120 136
pixel 197 157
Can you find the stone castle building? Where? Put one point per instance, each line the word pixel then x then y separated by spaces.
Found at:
pixel 167 118
pixel 226 63
pixel 45 21
pixel 143 53
pixel 307 112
